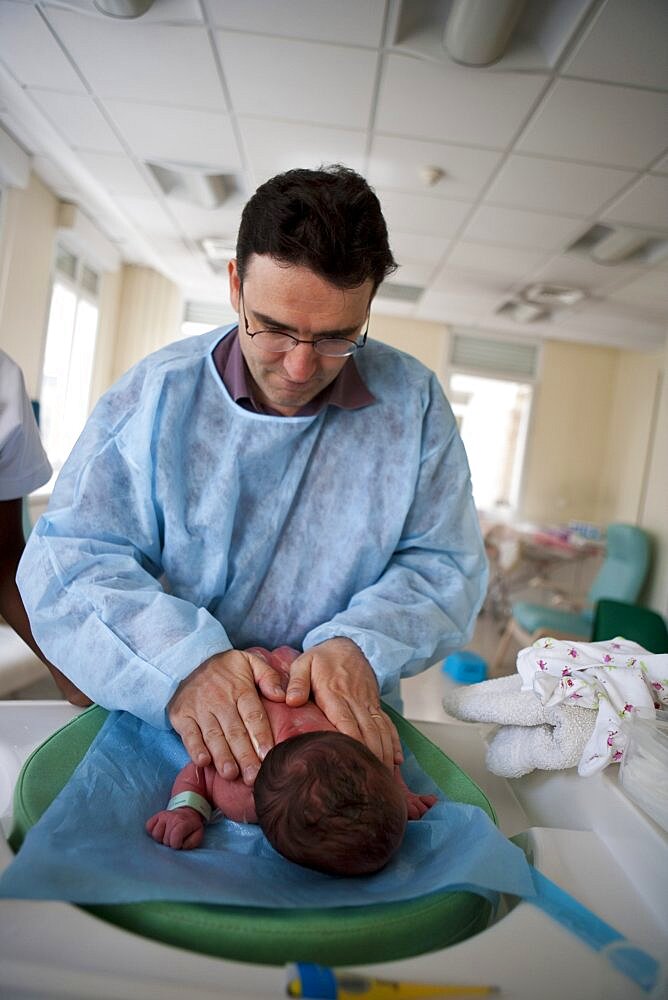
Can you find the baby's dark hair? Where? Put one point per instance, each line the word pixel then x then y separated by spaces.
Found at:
pixel 327 220
pixel 325 801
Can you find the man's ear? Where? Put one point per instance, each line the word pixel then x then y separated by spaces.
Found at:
pixel 235 284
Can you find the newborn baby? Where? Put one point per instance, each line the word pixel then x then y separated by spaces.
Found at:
pixel 322 799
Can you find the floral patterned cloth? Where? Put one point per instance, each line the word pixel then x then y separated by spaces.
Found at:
pixel 616 677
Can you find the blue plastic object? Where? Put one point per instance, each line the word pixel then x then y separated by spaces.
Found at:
pixel 466 667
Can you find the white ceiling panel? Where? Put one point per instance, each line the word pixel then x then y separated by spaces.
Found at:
pixel 410 246
pixel 414 213
pixel 646 204
pixel 357 22
pixel 515 228
pixel 661 167
pixel 555 185
pixel 412 272
pixel 599 123
pixel 498 260
pixel 465 283
pixel 149 216
pixel 649 289
pixel 274 146
pixel 396 163
pixel 614 322
pixel 627 43
pixel 299 81
pixel 425 100
pixel 143 62
pixel 118 174
pixel 200 222
pixel 78 120
pixel 174 134
pixel 30 51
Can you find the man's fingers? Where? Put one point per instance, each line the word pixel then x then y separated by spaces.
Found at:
pixel 299 685
pixel 257 725
pixel 266 678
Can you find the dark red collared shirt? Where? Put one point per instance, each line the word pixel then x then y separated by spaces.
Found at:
pixel 347 391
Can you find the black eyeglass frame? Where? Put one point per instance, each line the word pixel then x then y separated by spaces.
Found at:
pixel 355 345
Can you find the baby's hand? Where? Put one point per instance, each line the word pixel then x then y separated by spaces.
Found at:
pixel 419 804
pixel 181 828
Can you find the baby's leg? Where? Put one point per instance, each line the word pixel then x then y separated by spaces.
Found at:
pixel 417 804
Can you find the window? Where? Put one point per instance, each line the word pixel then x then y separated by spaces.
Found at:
pixel 68 355
pixel 491 397
pixel 199 317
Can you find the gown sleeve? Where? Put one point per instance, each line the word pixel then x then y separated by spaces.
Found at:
pixel 90 576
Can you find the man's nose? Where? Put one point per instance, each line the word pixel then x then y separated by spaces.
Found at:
pixel 301 363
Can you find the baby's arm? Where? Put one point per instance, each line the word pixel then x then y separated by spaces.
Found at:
pixel 183 827
pixel 417 804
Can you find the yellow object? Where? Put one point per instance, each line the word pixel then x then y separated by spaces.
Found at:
pixel 316 982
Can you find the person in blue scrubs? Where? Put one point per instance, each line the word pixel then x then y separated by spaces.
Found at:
pixel 282 481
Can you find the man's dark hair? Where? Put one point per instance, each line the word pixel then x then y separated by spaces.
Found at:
pixel 325 801
pixel 327 220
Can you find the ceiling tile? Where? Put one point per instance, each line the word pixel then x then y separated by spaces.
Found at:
pixel 614 322
pixel 199 222
pixel 555 185
pixel 78 120
pixel 599 123
pixel 646 204
pixel 495 108
pixel 661 167
pixel 396 163
pixel 503 261
pixel 117 173
pixel 626 43
pixel 412 272
pixel 411 246
pixel 514 228
pixel 196 137
pixel 164 64
pixel 649 289
pixel 324 84
pixel 173 11
pixel 413 213
pixel 465 283
pixel 30 51
pixel 356 22
pixel 274 147
pixel 148 215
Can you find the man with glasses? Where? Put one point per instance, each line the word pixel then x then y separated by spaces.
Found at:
pixel 281 482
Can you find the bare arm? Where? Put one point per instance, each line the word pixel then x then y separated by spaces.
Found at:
pixel 11 606
pixel 182 828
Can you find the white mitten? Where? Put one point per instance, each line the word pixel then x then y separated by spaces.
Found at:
pixel 553 746
pixel 498 700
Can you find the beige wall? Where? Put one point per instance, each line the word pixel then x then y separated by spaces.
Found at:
pixel 26 258
pixel 654 502
pixel 425 341
pixel 150 314
pixel 568 432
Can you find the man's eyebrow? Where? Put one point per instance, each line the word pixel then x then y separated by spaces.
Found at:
pixel 269 321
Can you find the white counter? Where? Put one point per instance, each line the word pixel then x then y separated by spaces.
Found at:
pixel 585 835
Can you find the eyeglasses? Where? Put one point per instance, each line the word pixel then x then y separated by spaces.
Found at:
pixel 281 343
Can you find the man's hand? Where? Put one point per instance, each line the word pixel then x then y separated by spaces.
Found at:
pixel 219 716
pixel 345 688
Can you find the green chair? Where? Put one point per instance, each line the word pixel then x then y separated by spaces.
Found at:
pixel 641 625
pixel 621 577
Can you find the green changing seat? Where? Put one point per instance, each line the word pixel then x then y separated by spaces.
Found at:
pixel 339 936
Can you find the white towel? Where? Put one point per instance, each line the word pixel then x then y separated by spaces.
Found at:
pixel 569 704
pixel 530 736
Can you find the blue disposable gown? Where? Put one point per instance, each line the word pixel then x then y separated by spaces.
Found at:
pixel 183 525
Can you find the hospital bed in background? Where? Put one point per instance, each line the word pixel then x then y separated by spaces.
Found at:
pixel 582 833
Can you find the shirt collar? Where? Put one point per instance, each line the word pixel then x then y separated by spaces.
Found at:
pixel 348 391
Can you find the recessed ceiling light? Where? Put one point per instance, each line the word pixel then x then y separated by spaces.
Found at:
pixel 552 295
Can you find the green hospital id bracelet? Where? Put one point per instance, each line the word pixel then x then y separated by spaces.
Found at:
pixel 194 800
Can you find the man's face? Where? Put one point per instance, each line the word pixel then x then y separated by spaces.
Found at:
pixel 294 300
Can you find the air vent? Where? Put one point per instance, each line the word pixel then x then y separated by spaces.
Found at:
pixel 610 245
pixel 194 184
pixel 552 295
pixel 485 354
pixel 401 293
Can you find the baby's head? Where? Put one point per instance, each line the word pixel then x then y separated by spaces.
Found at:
pixel 325 801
